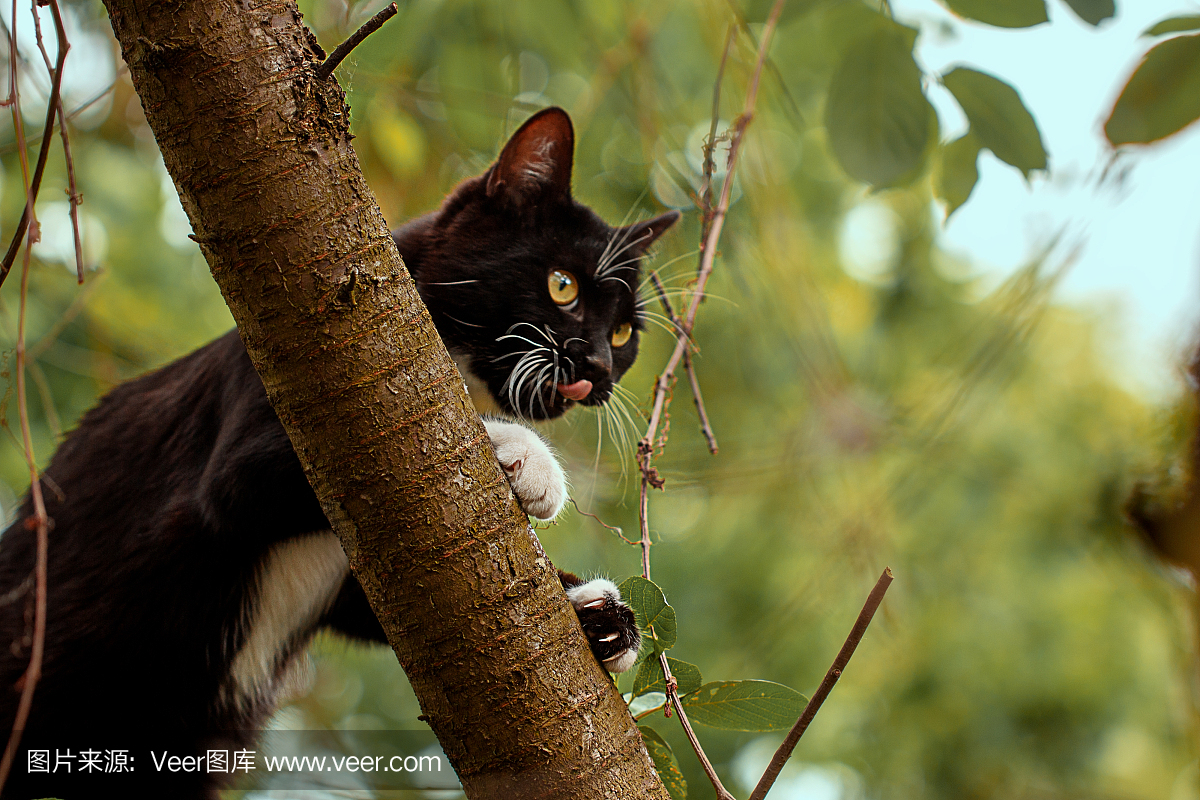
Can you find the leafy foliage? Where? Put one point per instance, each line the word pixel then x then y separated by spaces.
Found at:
pixel 650 677
pixel 655 617
pixel 878 119
pixel 745 705
pixel 959 171
pixel 1093 12
pixel 1189 22
pixel 999 120
pixel 1003 13
pixel 664 763
pixel 1162 97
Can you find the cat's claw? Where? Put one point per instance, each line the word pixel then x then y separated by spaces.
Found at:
pixel 536 478
pixel 608 623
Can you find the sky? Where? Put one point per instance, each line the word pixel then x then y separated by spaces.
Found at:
pixel 1139 262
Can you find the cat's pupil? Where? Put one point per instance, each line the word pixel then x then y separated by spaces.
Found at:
pixel 563 288
pixel 622 334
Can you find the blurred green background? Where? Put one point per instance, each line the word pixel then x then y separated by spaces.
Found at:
pixel 969 435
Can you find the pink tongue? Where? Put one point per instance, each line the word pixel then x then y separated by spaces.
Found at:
pixel 575 391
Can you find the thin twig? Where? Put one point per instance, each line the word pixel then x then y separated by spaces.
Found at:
pixel 75 112
pixel 645 451
pixel 673 698
pixel 705 427
pixel 698 399
pixel 40 522
pixel 644 523
pixel 710 145
pixel 831 677
pixel 47 132
pixel 708 253
pixel 326 67
pixel 72 192
pixel 12 59
pixel 612 528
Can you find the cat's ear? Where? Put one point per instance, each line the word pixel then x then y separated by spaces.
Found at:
pixel 641 235
pixel 536 159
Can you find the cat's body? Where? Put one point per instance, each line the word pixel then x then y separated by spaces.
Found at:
pixel 190 562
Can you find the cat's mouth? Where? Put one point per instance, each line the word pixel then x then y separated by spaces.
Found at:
pixel 577 391
pixel 550 400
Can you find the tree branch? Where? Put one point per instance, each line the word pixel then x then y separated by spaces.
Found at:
pixel 47 132
pixel 831 677
pixel 705 427
pixel 72 192
pixel 711 234
pixel 338 55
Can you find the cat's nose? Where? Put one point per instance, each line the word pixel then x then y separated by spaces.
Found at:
pixel 601 362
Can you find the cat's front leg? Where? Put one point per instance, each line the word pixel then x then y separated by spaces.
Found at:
pixel 534 473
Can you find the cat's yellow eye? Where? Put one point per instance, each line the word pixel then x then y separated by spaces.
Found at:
pixel 622 334
pixel 563 287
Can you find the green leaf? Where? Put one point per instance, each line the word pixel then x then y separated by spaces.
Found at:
pixel 998 118
pixel 664 763
pixel 650 677
pixel 1093 12
pixel 1162 97
pixel 745 705
pixel 958 172
pixel 877 119
pixel 1174 25
pixel 655 617
pixel 1001 13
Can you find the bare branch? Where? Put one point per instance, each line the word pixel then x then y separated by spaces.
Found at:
pixel 41 522
pixel 326 67
pixel 72 192
pixel 709 247
pixel 713 221
pixel 705 427
pixel 710 144
pixel 620 533
pixel 673 698
pixel 831 677
pixel 47 132
pixel 75 112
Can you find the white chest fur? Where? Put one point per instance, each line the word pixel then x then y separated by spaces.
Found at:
pixel 297 582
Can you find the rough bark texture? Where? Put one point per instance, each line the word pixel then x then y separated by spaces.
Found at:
pixel 260 153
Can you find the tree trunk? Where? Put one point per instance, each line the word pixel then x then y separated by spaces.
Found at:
pixel 260 152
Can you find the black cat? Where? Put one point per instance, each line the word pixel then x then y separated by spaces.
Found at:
pixel 190 562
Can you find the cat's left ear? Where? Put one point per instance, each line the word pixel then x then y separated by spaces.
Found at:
pixel 536 159
pixel 641 235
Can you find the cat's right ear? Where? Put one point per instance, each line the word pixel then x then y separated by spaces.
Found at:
pixel 536 160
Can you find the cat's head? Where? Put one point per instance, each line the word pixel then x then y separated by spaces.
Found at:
pixel 532 292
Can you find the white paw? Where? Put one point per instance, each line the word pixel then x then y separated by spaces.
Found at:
pixel 608 624
pixel 533 472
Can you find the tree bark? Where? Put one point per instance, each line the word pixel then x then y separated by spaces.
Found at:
pixel 260 152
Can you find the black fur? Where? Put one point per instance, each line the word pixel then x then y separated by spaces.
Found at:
pixel 178 484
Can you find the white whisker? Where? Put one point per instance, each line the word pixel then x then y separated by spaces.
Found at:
pixel 540 332
pixel 460 322
pixel 522 338
pixel 608 267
